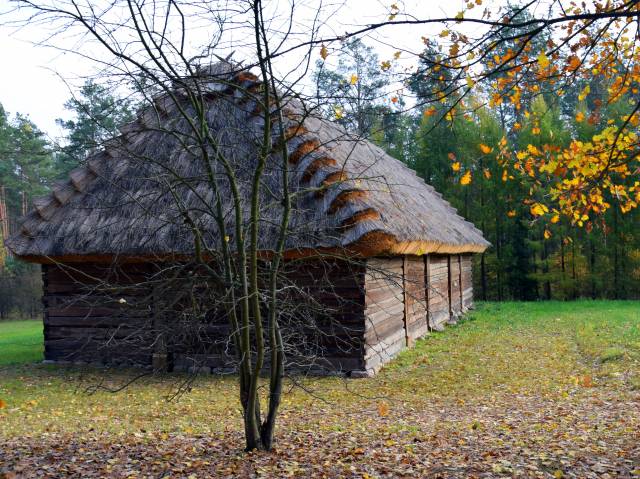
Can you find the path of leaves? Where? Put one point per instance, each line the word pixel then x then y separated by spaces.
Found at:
pixel 592 433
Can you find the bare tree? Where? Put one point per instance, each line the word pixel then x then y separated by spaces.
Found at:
pixel 211 200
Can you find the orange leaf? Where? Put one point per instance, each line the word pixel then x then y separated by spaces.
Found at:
pixel 383 409
pixel 487 173
pixel 452 156
pixel 547 234
pixel 466 178
pixel 430 111
pixel 511 213
pixel 485 149
pixel 2 404
pixel 574 63
pixel 586 381
pixel 579 117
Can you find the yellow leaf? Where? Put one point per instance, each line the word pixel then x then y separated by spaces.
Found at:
pixel 396 55
pixel 543 60
pixel 547 234
pixel 354 79
pixel 226 239
pixel 485 149
pixel 579 117
pixel 558 474
pixel 505 175
pixel 455 166
pixel 338 112
pixel 324 53
pixel 466 178
pixel 385 65
pixel 511 213
pixel 444 33
pixel 383 409
pixel 470 82
pixel 584 93
pixel 460 16
pixel 555 218
pixel 538 209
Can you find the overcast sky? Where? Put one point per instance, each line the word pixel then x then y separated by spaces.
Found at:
pixel 35 80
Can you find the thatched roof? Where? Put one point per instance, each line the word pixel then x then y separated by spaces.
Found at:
pixel 130 198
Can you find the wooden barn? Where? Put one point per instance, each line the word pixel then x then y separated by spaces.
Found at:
pixel 400 254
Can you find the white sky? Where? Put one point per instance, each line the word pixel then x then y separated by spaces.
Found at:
pixel 35 80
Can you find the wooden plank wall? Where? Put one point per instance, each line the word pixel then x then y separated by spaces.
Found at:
pixel 364 315
pixel 416 322
pixel 327 331
pixel 467 282
pixel 455 287
pixel 385 334
pixel 437 273
pixel 82 324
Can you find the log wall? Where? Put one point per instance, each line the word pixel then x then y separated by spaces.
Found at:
pixel 437 273
pixel 344 317
pixel 467 282
pixel 385 334
pixel 81 323
pixel 455 287
pixel 416 322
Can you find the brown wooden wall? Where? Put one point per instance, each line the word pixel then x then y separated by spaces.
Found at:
pixel 81 323
pixel 438 290
pixel 362 314
pixel 385 334
pixel 455 285
pixel 467 282
pixel 416 321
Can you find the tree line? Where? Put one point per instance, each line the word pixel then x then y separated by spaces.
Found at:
pixel 470 149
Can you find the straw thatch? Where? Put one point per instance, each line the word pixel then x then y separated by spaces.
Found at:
pixel 134 197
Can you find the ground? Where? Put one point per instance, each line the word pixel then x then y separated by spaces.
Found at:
pixel 516 390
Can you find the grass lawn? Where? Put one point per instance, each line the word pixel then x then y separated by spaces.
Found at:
pixel 516 390
pixel 20 342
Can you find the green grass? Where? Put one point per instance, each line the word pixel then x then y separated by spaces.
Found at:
pixel 20 342
pixel 549 350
